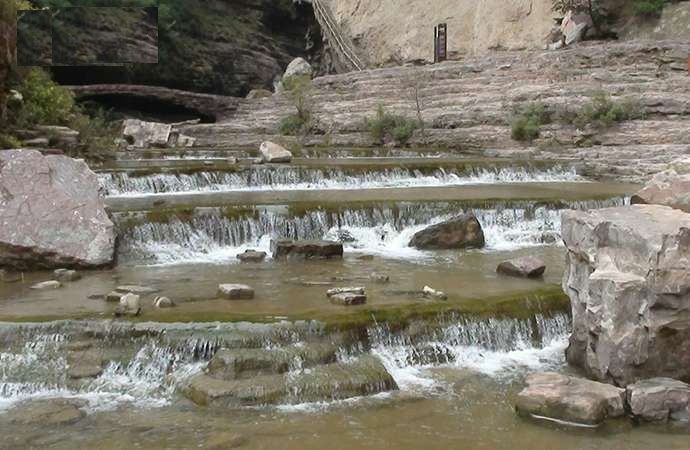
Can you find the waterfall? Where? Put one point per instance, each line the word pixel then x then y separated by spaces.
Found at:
pixel 386 230
pixel 295 178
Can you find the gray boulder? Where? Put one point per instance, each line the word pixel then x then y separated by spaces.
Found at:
pixel 669 188
pixel 464 231
pixel 251 256
pixel 298 67
pixel 554 396
pixel 300 250
pixel 235 291
pixel 51 213
pixel 274 153
pixel 658 399
pixel 142 134
pixel 524 267
pixel 628 279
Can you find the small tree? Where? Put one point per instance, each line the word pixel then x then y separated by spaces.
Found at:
pixel 298 89
pixel 415 85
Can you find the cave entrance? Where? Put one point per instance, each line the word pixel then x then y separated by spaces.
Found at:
pixel 119 107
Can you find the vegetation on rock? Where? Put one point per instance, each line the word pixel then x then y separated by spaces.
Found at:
pixel 528 120
pixel 385 127
pixel 298 90
pixel 602 112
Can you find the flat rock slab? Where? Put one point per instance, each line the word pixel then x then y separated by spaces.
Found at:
pixel 658 399
pixel 235 291
pixel 559 397
pixel 301 250
pixel 143 134
pixel 52 214
pixel 524 267
pixel 48 412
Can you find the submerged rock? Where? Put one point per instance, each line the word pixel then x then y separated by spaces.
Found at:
pixel 235 291
pixel 525 267
pixel 66 275
pixel 364 376
pixel 50 412
pixel 287 249
pixel 461 232
pixel 66 224
pixel 52 284
pixel 225 440
pixel 85 363
pixel 628 279
pixel 274 153
pixel 668 188
pixel 658 399
pixel 560 397
pixel 251 256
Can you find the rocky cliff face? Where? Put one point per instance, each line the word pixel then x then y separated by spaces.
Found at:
pixel 400 30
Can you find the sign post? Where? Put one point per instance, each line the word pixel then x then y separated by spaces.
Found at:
pixel 440 42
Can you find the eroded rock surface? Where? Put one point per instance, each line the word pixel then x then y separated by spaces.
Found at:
pixel 628 279
pixel 560 397
pixel 670 187
pixel 51 213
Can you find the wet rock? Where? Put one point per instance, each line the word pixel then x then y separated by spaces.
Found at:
pixel 432 293
pixel 10 277
pixel 629 286
pixel 298 67
pixel 48 412
pixel 274 153
pixel 130 305
pixel 114 296
pixel 143 134
pixel 348 299
pixel 235 291
pixel 66 225
pixel 135 289
pixel 345 290
pixel 252 256
pixel 658 399
pixel 380 278
pixel 668 188
pixel 364 376
pixel 259 93
pixel 45 285
pixel 225 440
pixel 524 267
pixel 461 232
pixel 560 397
pixel 162 302
pixel 365 257
pixel 86 363
pixel 345 236
pixel 296 250
pixel 232 364
pixel 66 275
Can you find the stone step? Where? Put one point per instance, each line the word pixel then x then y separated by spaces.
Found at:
pixel 565 191
pixel 364 376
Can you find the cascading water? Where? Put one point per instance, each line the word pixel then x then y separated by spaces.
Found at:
pixel 150 370
pixel 295 178
pixel 385 230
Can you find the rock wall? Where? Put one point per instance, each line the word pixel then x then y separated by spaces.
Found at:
pixel 674 23
pixel 628 278
pixel 401 30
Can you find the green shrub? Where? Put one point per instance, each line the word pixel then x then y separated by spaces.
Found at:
pixel 385 126
pixel 527 122
pixel 648 7
pixel 97 132
pixel 292 125
pixel 9 141
pixel 602 112
pixel 45 102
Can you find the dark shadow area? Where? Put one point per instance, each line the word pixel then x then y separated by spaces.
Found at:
pixel 154 110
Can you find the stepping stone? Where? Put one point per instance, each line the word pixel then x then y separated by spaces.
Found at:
pixel 348 299
pixel 524 267
pixel 235 291
pixel 45 285
pixel 66 275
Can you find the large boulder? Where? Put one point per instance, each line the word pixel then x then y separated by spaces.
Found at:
pixel 274 153
pixel 51 213
pixel 559 397
pixel 670 188
pixel 143 134
pixel 574 27
pixel 298 67
pixel 464 231
pixel 628 279
pixel 658 399
pixel 300 250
